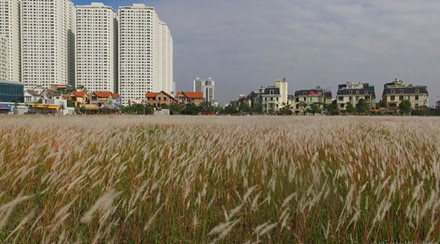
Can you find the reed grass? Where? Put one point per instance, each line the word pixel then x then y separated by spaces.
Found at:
pixel 219 179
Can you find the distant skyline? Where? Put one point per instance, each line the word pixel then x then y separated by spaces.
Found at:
pixel 244 44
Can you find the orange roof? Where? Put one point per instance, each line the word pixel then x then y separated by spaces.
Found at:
pixel 115 95
pixel 79 93
pixel 193 95
pixel 103 94
pixel 151 94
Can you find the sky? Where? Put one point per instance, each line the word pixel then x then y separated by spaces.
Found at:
pixel 245 44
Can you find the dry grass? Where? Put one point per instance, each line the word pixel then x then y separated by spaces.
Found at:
pixel 228 180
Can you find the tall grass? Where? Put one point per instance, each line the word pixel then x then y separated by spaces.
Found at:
pixel 226 180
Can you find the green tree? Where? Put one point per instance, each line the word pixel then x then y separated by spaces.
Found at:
pixel 421 111
pixel 257 108
pixel 287 109
pixel 363 107
pixel 314 108
pixel 244 108
pixel 191 109
pixel 70 104
pixel 349 108
pixel 175 109
pixel 332 109
pixel 230 109
pixel 405 107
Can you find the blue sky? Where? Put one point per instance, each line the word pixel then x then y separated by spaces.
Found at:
pixel 244 44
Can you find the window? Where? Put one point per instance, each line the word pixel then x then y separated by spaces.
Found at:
pixel 417 91
pixel 393 91
pixel 271 92
pixel 417 98
pixel 400 98
pixel 393 98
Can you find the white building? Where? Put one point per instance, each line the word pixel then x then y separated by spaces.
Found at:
pixel 145 54
pixel 206 86
pixel 4 58
pixel 96 47
pixel 352 93
pixel 167 59
pixel 10 28
pixel 282 85
pixel 48 42
pixel 396 91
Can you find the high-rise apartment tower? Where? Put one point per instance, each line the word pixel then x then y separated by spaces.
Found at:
pixel 96 47
pixel 47 42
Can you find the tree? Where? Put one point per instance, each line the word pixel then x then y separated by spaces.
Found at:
pixel 191 109
pixel 149 110
pixel 363 107
pixel 245 108
pixel 257 108
pixel 286 110
pixel 175 109
pixel 231 109
pixel 332 109
pixel 349 109
pixel 314 108
pixel 421 111
pixel 62 108
pixel 164 106
pixel 70 104
pixel 405 107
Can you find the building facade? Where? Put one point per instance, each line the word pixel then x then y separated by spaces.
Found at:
pixel 10 28
pixel 351 93
pixel 4 58
pixel 206 86
pixel 143 66
pixel 282 85
pixel 395 92
pixel 271 99
pixel 48 42
pixel 157 99
pixel 196 98
pixel 303 99
pixel 96 47
pixel 11 91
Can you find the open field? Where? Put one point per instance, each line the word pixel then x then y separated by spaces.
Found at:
pixel 226 179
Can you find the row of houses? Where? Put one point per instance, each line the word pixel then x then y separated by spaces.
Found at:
pixel 159 99
pixel 60 99
pixel 273 98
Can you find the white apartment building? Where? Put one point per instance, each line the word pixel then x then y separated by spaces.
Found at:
pixel 48 42
pixel 96 47
pixel 10 28
pixel 167 59
pixel 145 54
pixel 4 58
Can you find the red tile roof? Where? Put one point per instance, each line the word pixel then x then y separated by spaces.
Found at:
pixel 103 94
pixel 194 95
pixel 79 93
pixel 115 95
pixel 151 94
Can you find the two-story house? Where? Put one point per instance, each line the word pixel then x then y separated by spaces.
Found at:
pixel 157 99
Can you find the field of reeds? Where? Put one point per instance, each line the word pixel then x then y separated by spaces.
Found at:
pixel 125 179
